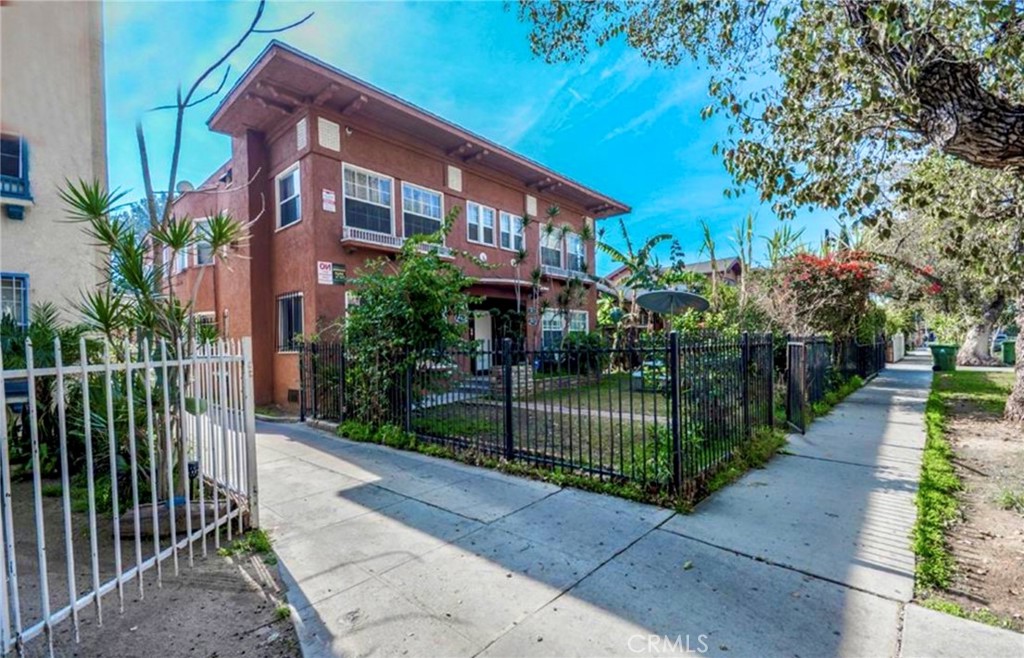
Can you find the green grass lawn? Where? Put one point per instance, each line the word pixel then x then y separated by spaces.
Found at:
pixel 987 390
pixel 937 504
pixel 613 393
pixel 636 447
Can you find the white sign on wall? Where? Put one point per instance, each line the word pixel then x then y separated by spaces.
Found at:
pixel 324 272
pixel 330 203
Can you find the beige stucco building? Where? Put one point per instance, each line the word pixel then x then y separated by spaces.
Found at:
pixel 52 117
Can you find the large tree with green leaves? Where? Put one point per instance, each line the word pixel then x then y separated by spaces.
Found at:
pixel 826 97
pixel 964 227
pixel 830 101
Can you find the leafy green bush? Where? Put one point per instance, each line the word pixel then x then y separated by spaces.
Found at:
pixel 584 352
pixel 405 313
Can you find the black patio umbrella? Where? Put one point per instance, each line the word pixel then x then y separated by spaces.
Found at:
pixel 670 301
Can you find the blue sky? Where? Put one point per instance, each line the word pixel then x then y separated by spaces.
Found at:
pixel 612 122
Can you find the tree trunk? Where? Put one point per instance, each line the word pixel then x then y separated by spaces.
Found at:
pixel 976 348
pixel 956 112
pixel 1015 403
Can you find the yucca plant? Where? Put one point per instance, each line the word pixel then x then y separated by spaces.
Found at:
pixel 136 303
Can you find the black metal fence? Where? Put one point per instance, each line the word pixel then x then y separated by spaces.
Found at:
pixel 660 414
pixel 817 364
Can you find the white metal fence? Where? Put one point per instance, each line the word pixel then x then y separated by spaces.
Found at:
pixel 133 461
pixel 899 347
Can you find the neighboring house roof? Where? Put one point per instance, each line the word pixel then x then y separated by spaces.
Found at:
pixel 283 79
pixel 701 267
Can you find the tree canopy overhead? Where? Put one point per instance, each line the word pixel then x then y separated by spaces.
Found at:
pixel 827 97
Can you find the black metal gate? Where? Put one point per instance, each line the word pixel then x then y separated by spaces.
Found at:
pixel 796 385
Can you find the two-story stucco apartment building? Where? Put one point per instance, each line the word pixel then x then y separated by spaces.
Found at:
pixel 336 172
pixel 52 127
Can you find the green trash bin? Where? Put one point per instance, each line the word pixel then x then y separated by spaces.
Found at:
pixel 944 357
pixel 1010 352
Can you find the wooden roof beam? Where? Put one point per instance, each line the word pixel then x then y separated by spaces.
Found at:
pixel 479 155
pixel 326 94
pixel 270 105
pixel 279 93
pixel 355 105
pixel 459 150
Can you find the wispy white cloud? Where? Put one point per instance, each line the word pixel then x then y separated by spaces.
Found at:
pixel 674 97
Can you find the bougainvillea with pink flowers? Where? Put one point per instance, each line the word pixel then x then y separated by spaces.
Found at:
pixel 830 292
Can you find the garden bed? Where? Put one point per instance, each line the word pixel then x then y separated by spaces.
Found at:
pixel 983 545
pixel 225 603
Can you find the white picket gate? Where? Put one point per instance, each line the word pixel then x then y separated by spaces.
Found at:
pixel 164 422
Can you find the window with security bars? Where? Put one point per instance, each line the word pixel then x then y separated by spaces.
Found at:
pixel 289 321
pixel 421 210
pixel 367 200
pixel 14 298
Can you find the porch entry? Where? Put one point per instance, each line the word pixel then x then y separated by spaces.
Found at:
pixel 483 336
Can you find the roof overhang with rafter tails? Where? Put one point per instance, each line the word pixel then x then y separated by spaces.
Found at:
pixel 283 80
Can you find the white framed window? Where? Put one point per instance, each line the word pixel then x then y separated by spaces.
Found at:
pixel 204 250
pixel 422 209
pixel 14 298
pixel 289 321
pixel 180 260
pixel 550 247
pixel 479 223
pixel 576 253
pixel 551 325
pixel 174 261
pixel 289 196
pixel 579 322
pixel 510 234
pixel 367 199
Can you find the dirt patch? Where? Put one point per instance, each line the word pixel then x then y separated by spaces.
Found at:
pixel 220 606
pixel 988 543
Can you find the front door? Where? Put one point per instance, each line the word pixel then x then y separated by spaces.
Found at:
pixel 482 334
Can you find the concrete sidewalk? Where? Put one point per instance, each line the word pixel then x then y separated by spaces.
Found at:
pixel 391 553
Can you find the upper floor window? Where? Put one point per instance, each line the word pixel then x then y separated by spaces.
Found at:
pixel 479 223
pixel 289 197
pixel 421 210
pixel 14 298
pixel 550 247
pixel 289 321
pixel 367 200
pixel 204 251
pixel 511 232
pixel 13 166
pixel 576 253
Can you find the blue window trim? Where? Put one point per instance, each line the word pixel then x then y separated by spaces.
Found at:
pixel 24 280
pixel 18 187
